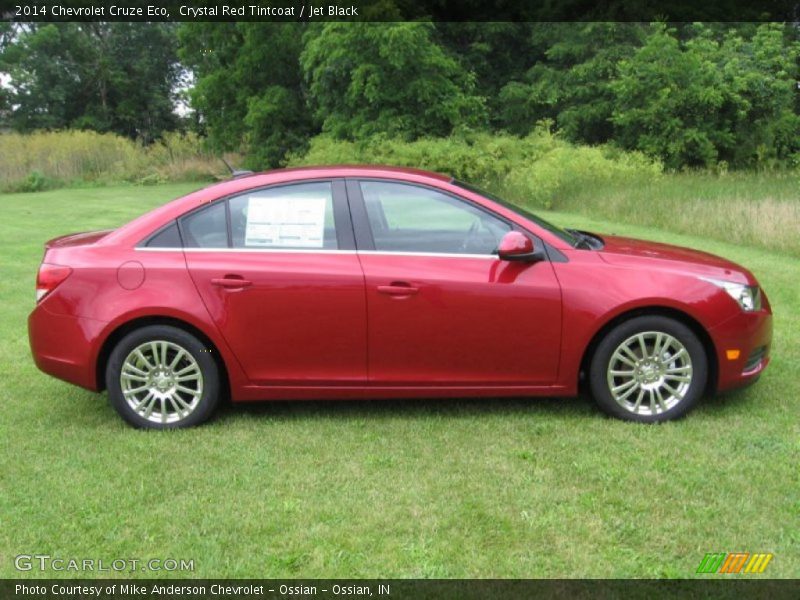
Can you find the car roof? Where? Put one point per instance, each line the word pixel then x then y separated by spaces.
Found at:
pixel 297 174
pixel 358 170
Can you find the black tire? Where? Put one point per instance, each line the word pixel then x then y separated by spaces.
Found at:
pixel 647 372
pixel 179 409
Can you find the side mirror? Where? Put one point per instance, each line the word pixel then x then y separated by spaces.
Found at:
pixel 517 246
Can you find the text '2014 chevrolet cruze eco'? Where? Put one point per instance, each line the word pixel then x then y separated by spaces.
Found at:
pixel 379 282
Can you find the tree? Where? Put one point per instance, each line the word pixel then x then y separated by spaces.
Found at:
pixel 491 51
pixel 763 73
pixel 141 63
pixel 571 66
pixel 717 96
pixel 392 78
pixel 104 76
pixel 6 35
pixel 249 90
pixel 47 76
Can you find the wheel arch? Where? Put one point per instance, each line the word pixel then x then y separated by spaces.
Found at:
pixel 127 327
pixel 661 311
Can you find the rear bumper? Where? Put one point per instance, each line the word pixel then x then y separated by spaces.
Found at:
pixel 751 335
pixel 64 346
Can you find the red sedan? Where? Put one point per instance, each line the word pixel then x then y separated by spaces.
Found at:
pixel 378 282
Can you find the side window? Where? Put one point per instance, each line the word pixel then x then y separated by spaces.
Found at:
pixel 166 238
pixel 206 228
pixel 409 218
pixel 292 216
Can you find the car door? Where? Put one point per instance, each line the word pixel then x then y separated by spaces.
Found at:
pixel 277 269
pixel 442 308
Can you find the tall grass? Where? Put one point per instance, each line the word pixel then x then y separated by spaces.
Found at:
pixel 37 161
pixel 753 209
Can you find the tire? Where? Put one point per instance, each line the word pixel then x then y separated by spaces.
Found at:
pixel 630 379
pixel 161 377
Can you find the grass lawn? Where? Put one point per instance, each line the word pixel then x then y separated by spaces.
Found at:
pixel 465 488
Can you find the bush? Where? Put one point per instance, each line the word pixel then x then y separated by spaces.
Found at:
pixel 535 171
pixel 46 160
pixel 34 182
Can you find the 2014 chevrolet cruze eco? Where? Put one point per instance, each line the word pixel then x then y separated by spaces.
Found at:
pixel 377 282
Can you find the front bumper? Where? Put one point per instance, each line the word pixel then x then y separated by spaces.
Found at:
pixel 65 346
pixel 751 335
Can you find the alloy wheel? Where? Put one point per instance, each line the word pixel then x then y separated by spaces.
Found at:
pixel 161 381
pixel 649 373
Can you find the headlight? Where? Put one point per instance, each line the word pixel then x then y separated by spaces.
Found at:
pixel 747 296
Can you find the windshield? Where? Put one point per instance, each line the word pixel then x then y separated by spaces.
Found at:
pixel 561 233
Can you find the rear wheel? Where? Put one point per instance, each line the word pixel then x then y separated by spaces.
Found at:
pixel 649 369
pixel 162 377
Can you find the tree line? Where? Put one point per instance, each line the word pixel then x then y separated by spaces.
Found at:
pixel 690 95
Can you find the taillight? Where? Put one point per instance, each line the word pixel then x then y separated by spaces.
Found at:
pixel 49 278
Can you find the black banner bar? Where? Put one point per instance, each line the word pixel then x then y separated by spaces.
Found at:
pixel 718 588
pixel 400 10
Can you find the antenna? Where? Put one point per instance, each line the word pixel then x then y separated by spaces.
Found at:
pixel 235 172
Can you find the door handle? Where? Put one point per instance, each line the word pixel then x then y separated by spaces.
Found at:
pixel 231 282
pixel 398 288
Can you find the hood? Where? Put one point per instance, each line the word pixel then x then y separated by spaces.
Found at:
pixel 621 250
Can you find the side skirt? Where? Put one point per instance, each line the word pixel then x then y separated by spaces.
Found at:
pixel 256 393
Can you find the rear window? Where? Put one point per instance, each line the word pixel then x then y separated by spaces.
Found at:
pixel 169 237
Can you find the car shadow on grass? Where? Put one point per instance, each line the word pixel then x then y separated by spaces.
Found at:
pixel 87 409
pixel 717 405
pixel 451 408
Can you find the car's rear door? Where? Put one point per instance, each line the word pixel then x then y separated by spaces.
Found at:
pixel 442 309
pixel 277 270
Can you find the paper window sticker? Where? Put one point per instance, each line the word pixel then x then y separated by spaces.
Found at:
pixel 288 222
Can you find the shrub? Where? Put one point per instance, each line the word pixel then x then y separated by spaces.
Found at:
pixel 536 170
pixel 36 181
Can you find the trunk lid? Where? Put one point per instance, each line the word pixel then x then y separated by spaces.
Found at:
pixel 86 238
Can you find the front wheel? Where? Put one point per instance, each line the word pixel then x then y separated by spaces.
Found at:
pixel 162 377
pixel 649 369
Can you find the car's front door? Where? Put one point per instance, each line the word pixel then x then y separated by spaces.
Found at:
pixel 442 309
pixel 277 270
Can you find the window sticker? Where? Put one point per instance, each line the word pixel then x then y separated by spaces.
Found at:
pixel 287 222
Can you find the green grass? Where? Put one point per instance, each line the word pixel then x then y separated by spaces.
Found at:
pixel 465 488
